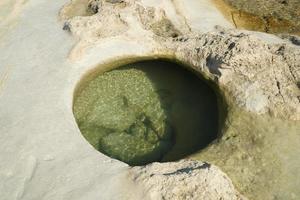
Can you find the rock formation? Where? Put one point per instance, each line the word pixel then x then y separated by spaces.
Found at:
pixel 260 77
pixel 255 75
pixel 184 180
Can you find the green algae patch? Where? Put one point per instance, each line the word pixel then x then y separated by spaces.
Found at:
pixel 147 111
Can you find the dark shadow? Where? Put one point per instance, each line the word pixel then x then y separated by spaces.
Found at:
pixel 188 170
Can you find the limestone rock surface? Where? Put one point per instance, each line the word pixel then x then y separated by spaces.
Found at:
pixel 259 76
pixel 184 180
pixel 256 75
pixel 43 155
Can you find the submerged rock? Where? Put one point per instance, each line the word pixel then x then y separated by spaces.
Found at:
pixel 139 115
pixel 121 115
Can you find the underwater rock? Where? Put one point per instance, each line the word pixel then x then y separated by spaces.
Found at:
pixel 147 111
pixel 121 115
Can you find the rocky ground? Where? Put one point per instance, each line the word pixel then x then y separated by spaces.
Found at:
pixel 256 75
pixel 184 180
pixel 252 74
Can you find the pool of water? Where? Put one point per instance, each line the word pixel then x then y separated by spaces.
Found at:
pixel 147 111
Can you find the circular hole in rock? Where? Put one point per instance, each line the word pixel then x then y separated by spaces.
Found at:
pixel 147 111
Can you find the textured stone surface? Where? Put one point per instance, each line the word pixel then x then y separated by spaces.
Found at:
pixel 184 180
pixel 43 154
pixel 257 76
pixel 260 77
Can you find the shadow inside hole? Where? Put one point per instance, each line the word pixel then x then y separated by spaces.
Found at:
pixel 147 111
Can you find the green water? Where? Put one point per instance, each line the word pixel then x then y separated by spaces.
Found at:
pixel 147 111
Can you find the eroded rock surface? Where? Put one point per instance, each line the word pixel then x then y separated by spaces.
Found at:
pixel 257 76
pixel 184 180
pixel 260 77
